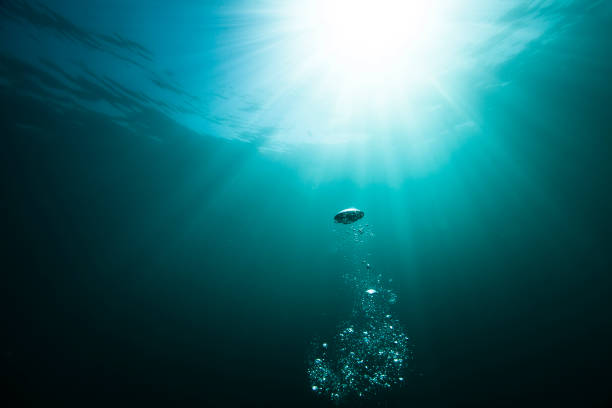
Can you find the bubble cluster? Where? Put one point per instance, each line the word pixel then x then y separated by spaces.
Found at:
pixel 370 352
pixel 367 356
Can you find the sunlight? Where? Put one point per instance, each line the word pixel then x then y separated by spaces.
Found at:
pixel 366 47
pixel 372 89
pixel 367 39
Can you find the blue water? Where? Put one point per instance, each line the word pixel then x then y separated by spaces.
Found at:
pixel 171 172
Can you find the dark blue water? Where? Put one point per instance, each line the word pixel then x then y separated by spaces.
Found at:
pixel 170 174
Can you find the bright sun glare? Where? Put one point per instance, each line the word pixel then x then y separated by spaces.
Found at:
pixel 369 40
pixel 371 79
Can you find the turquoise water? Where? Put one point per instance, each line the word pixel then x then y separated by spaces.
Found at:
pixel 171 174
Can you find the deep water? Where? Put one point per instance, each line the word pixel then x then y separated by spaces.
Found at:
pixel 146 263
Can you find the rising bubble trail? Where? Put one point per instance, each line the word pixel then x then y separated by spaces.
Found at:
pixel 370 351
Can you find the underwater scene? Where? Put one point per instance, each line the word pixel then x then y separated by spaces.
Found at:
pixel 306 203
